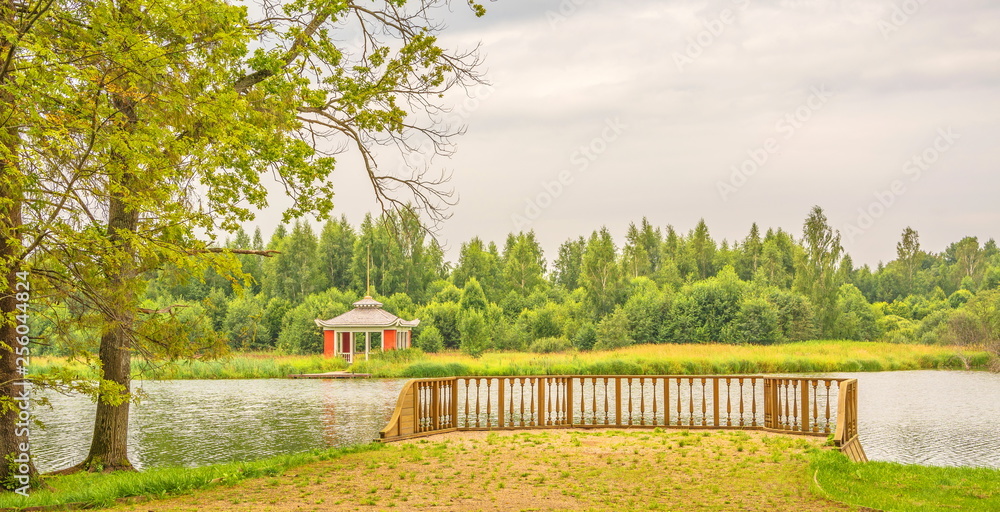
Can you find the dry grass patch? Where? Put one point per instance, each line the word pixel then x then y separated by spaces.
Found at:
pixel 541 470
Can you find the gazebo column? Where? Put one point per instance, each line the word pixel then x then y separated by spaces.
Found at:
pixel 329 343
pixel 368 343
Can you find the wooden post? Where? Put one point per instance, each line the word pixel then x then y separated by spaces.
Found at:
pixel 804 423
pixel 569 401
pixel 502 382
pixel 715 399
pixel 768 403
pixel 541 410
pixel 666 402
pixel 435 403
pixel 618 401
pixel 417 406
pixel 454 402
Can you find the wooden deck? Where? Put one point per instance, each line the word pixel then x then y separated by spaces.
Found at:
pixel 801 406
pixel 330 375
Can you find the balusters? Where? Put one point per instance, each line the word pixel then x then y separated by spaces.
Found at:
pixel 827 427
pixel 653 422
pixel 704 413
pixel 797 421
pixel 783 404
pixel 741 402
pixel 533 383
pixel 800 405
pixel 522 395
pixel 607 419
pixel 691 417
pixel 729 402
pixel 489 403
pixel 629 382
pixel 680 409
pixel 547 410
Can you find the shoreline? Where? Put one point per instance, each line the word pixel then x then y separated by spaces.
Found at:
pixel 817 356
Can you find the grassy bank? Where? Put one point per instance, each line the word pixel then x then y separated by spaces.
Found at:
pixel 667 359
pixel 236 366
pixel 546 470
pixel 542 470
pixel 905 488
pixel 91 490
pixel 672 359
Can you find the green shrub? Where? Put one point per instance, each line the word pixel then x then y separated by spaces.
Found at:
pixel 586 337
pixel 550 344
pixel 407 355
pixel 613 331
pixel 430 340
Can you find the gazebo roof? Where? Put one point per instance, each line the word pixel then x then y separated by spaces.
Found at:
pixel 367 314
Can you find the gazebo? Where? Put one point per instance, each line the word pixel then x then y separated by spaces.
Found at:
pixel 367 317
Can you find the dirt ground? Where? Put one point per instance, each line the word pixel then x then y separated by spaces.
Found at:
pixel 578 470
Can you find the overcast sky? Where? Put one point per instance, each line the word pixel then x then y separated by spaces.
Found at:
pixel 884 113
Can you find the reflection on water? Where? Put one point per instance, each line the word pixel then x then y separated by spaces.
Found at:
pixel 198 422
pixel 944 418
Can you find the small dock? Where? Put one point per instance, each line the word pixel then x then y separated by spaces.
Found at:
pixel 790 405
pixel 330 375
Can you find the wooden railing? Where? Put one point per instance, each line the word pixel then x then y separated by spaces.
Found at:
pixel 846 436
pixel 807 406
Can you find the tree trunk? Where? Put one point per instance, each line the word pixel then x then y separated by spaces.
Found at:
pixel 109 447
pixel 13 429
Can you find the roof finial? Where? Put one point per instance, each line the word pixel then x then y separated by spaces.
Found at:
pixel 368 272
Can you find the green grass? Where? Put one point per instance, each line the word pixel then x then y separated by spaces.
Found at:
pixel 879 485
pixel 694 359
pixel 91 490
pixel 666 359
pixel 904 488
pixel 256 365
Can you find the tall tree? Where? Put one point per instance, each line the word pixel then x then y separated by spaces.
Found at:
pixel 334 254
pixel 189 138
pixel 524 265
pixel 910 257
pixel 818 277
pixel 568 265
pixel 967 258
pixel 701 247
pixel 601 276
pixel 641 254
pixel 777 264
pixel 751 251
pixel 17 50
pixel 477 260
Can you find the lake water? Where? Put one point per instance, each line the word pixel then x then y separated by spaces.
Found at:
pixel 944 418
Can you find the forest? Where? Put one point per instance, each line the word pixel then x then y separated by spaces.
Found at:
pixel 661 286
